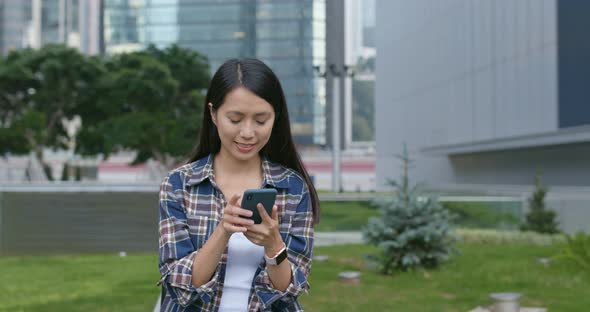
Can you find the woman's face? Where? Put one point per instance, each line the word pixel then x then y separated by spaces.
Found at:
pixel 244 122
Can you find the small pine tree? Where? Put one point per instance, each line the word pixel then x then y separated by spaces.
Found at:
pixel 413 230
pixel 539 218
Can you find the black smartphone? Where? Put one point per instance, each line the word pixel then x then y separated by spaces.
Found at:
pixel 252 197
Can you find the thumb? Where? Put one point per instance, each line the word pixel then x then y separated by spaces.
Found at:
pixel 234 200
pixel 275 214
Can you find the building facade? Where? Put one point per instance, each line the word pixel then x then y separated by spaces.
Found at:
pixel 34 23
pixel 15 23
pixel 484 92
pixel 289 36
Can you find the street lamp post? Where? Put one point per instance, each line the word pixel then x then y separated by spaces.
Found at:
pixel 347 71
pixel 336 149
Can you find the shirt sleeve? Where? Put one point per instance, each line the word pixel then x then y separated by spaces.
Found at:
pixel 176 248
pixel 299 244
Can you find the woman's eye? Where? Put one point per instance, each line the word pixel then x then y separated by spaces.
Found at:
pixel 261 122
pixel 234 121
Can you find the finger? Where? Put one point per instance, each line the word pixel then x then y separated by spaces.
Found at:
pixel 239 221
pixel 275 213
pixel 235 228
pixel 263 214
pixel 241 212
pixel 255 229
pixel 234 200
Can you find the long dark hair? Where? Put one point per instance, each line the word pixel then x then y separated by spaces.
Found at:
pixel 259 79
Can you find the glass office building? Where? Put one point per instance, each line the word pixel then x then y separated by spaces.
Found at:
pixel 287 35
pixel 34 23
pixel 15 18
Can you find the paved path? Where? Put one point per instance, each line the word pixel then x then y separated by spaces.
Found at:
pixel 337 238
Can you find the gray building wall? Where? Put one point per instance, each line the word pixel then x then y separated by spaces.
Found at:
pixel 486 94
pixel 461 72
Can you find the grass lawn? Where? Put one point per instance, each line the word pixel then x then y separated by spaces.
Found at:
pixel 111 283
pixel 352 216
pixel 79 283
pixel 459 285
pixel 344 216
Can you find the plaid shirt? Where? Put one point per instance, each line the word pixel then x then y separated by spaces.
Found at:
pixel 191 207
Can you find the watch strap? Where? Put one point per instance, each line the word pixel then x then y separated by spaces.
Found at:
pixel 278 258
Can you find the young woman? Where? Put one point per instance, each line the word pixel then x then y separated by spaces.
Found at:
pixel 212 257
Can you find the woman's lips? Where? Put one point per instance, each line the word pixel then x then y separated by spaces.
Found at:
pixel 245 148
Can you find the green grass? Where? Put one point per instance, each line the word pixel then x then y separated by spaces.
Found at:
pixel 344 216
pixel 79 283
pixel 111 283
pixel 352 216
pixel 460 285
pixel 485 214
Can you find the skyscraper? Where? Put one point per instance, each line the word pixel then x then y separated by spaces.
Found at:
pixel 289 36
pixel 15 18
pixel 34 23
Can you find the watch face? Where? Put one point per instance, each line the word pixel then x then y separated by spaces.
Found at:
pixel 278 258
pixel 282 256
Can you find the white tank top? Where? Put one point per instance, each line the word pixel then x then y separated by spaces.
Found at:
pixel 242 261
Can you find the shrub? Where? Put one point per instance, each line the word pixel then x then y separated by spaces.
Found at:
pixel 540 219
pixel 577 250
pixel 413 230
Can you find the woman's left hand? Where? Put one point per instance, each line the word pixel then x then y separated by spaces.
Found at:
pixel 267 233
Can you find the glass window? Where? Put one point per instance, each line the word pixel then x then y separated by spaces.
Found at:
pixel 286 48
pixel 208 32
pixel 216 50
pixel 212 13
pixel 319 10
pixel 162 33
pixel 162 15
pixel 125 3
pixel 284 10
pixel 280 30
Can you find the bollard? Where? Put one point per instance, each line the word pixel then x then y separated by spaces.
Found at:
pixel 320 258
pixel 350 277
pixel 505 302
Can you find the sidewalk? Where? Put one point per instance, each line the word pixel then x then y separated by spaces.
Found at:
pixel 337 238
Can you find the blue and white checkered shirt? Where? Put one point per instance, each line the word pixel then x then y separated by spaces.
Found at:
pixel 191 207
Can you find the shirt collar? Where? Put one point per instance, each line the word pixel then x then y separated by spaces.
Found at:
pixel 273 174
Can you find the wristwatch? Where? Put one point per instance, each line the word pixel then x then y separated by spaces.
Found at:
pixel 278 257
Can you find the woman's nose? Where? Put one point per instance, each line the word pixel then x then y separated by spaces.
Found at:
pixel 247 131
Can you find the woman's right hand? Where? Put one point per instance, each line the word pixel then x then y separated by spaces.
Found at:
pixel 231 220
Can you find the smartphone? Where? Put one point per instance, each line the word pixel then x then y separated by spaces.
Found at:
pixel 252 197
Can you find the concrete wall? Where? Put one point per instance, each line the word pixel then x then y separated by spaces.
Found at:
pixel 457 75
pixel 461 71
pixel 560 165
pixel 83 220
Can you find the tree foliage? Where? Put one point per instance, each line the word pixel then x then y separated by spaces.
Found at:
pixel 153 103
pixel 413 229
pixel 147 101
pixel 40 89
pixel 539 218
